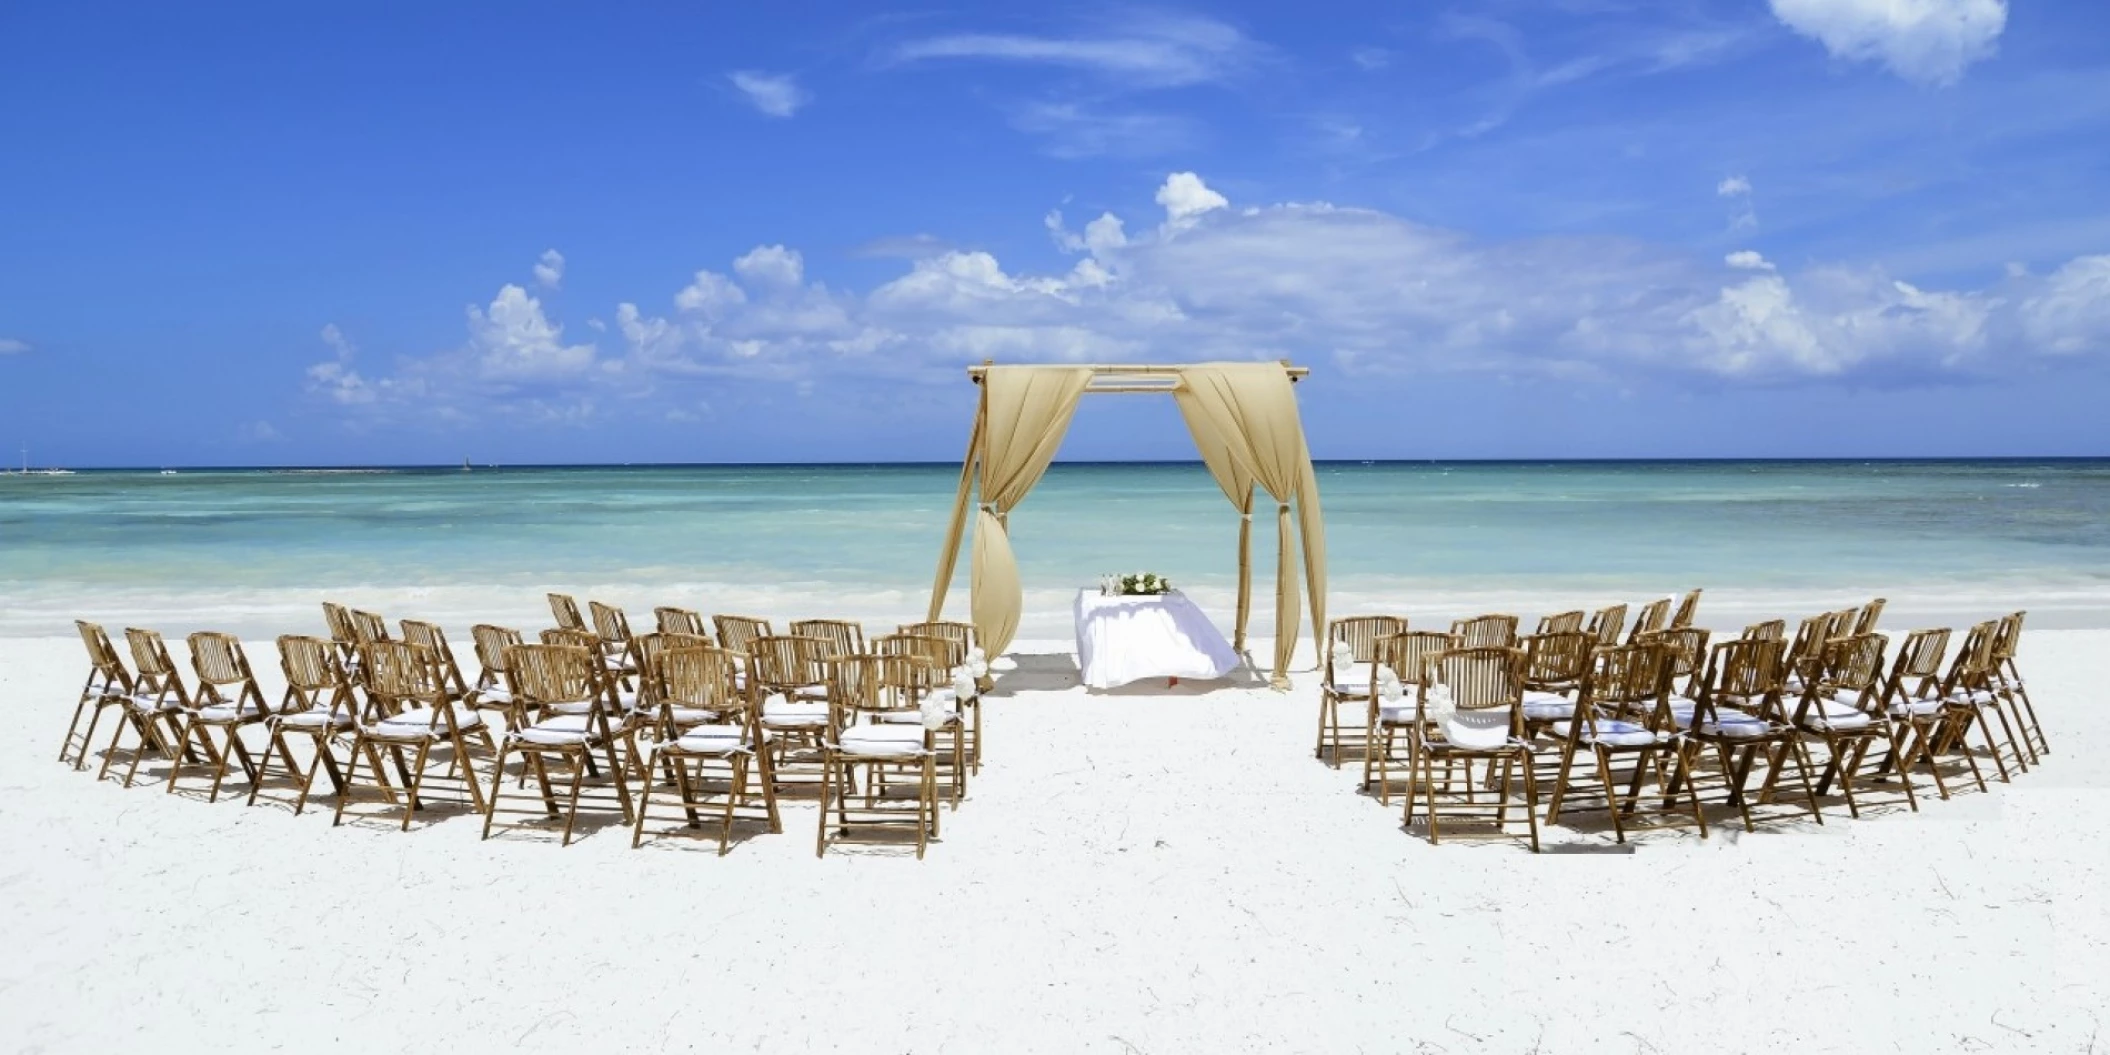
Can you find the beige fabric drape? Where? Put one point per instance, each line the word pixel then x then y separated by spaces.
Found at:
pixel 949 557
pixel 1250 409
pixel 1026 411
pixel 1227 463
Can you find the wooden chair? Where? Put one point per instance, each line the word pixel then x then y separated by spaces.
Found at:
pixel 227 700
pixel 157 704
pixel 1865 619
pixel 1484 692
pixel 565 611
pixel 1842 710
pixel 338 619
pixel 613 628
pixel 736 632
pixel 412 710
pixel 1607 623
pixel 1350 667
pixel 1634 679
pixel 2007 676
pixel 108 685
pixel 1738 713
pixel 705 722
pixel 493 690
pixel 862 694
pixel 681 621
pixel 1561 622
pixel 1652 617
pixel 564 691
pixel 971 655
pixel 1971 698
pixel 1914 699
pixel 844 638
pixel 1685 648
pixel 1555 664
pixel 318 706
pixel 367 627
pixel 430 636
pixel 943 667
pixel 1407 656
pixel 1688 608
pixel 1485 631
pixel 1770 630
pixel 788 678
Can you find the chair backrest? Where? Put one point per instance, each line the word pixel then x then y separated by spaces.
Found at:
pixel 681 621
pixel 1481 677
pixel 1751 671
pixel 1973 666
pixel 700 676
pixel 310 663
pixel 1409 654
pixel 398 673
pixel 781 664
pixel 1840 624
pixel 941 652
pixel 737 632
pixel 109 669
pixel 367 627
pixel 1653 616
pixel 1919 659
pixel 961 634
pixel 610 623
pixel 2007 637
pixel 585 639
pixel 339 620
pixel 1686 647
pixel 430 636
pixel 1494 630
pixel 546 675
pixel 1806 651
pixel 1854 664
pixel 1865 620
pixel 1557 660
pixel 1561 622
pixel 1632 678
pixel 492 644
pixel 157 672
pixel 566 612
pixel 844 638
pixel 1360 634
pixel 651 651
pixel 1607 623
pixel 868 683
pixel 1688 608
pixel 223 669
pixel 1770 630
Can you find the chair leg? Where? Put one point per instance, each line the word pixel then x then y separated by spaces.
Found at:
pixel 820 843
pixel 417 782
pixel 498 780
pixel 351 775
pixel 578 778
pixel 1611 796
pixel 1531 800
pixel 644 809
pixel 1560 783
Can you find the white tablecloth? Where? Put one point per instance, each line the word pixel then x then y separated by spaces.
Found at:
pixel 1125 639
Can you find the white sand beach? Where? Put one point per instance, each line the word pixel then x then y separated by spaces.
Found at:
pixel 1140 872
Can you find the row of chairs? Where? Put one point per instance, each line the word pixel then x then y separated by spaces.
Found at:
pixel 1665 705
pixel 723 726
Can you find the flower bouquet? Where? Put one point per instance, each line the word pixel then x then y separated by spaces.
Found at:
pixel 1135 584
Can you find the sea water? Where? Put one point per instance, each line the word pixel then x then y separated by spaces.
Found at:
pixel 254 551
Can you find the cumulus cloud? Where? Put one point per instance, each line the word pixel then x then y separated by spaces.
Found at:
pixel 1929 41
pixel 549 269
pixel 774 94
pixel 11 346
pixel 1364 291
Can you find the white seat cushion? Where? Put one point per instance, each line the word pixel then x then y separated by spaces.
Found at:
pixel 1612 733
pixel 949 715
pixel 1830 715
pixel 794 714
pixel 569 707
pixel 562 731
pixel 1915 708
pixel 686 716
pixel 419 721
pixel 1477 729
pixel 1735 725
pixel 1398 712
pixel 151 702
pixel 1547 706
pixel 494 694
pixel 318 718
pixel 882 741
pixel 713 740
pixel 230 712
pixel 1975 698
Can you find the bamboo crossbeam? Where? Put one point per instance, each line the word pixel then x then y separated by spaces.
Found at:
pixel 1136 373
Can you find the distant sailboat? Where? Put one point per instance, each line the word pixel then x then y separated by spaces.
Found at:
pixel 465 465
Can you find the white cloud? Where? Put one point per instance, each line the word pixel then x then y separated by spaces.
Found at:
pixel 1747 260
pixel 512 340
pixel 1186 198
pixel 774 94
pixel 771 266
pixel 549 269
pixel 11 346
pixel 1074 130
pixel 1930 41
pixel 1733 187
pixel 1144 52
pixel 2069 312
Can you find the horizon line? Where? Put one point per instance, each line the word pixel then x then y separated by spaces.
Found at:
pixel 915 464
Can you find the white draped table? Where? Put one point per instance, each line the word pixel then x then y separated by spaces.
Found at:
pixel 1126 639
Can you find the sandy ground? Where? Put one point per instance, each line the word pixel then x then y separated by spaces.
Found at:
pixel 1132 873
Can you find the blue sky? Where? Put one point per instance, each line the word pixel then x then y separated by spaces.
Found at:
pixel 344 234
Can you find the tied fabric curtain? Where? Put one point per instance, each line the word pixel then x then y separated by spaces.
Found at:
pixel 1250 411
pixel 1228 466
pixel 1025 412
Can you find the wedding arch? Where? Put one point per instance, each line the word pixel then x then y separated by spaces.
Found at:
pixel 1244 420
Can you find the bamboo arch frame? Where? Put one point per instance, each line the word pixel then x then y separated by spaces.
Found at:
pixel 1244 420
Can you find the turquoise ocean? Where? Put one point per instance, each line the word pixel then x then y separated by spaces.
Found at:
pixel 254 550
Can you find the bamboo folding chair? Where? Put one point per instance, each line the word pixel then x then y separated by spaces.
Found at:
pixel 108 685
pixel 2007 676
pixel 844 638
pixel 319 706
pixel 703 722
pixel 493 690
pixel 1969 694
pixel 962 637
pixel 789 681
pixel 613 628
pixel 1865 619
pixel 1652 617
pixel 1806 652
pixel 1607 623
pixel 430 636
pixel 566 694
pixel 565 611
pixel 1914 698
pixel 1770 630
pixel 1350 673
pixel 865 703
pixel 407 689
pixel 1392 712
pixel 1841 708
pixel 1484 691
pixel 1634 679
pixel 942 669
pixel 228 700
pixel 338 619
pixel 1554 666
pixel 1738 712
pixel 1686 658
pixel 156 706
pixel 682 621
pixel 1688 608
pixel 1561 622
pixel 1494 630
pixel 737 631
pixel 367 627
